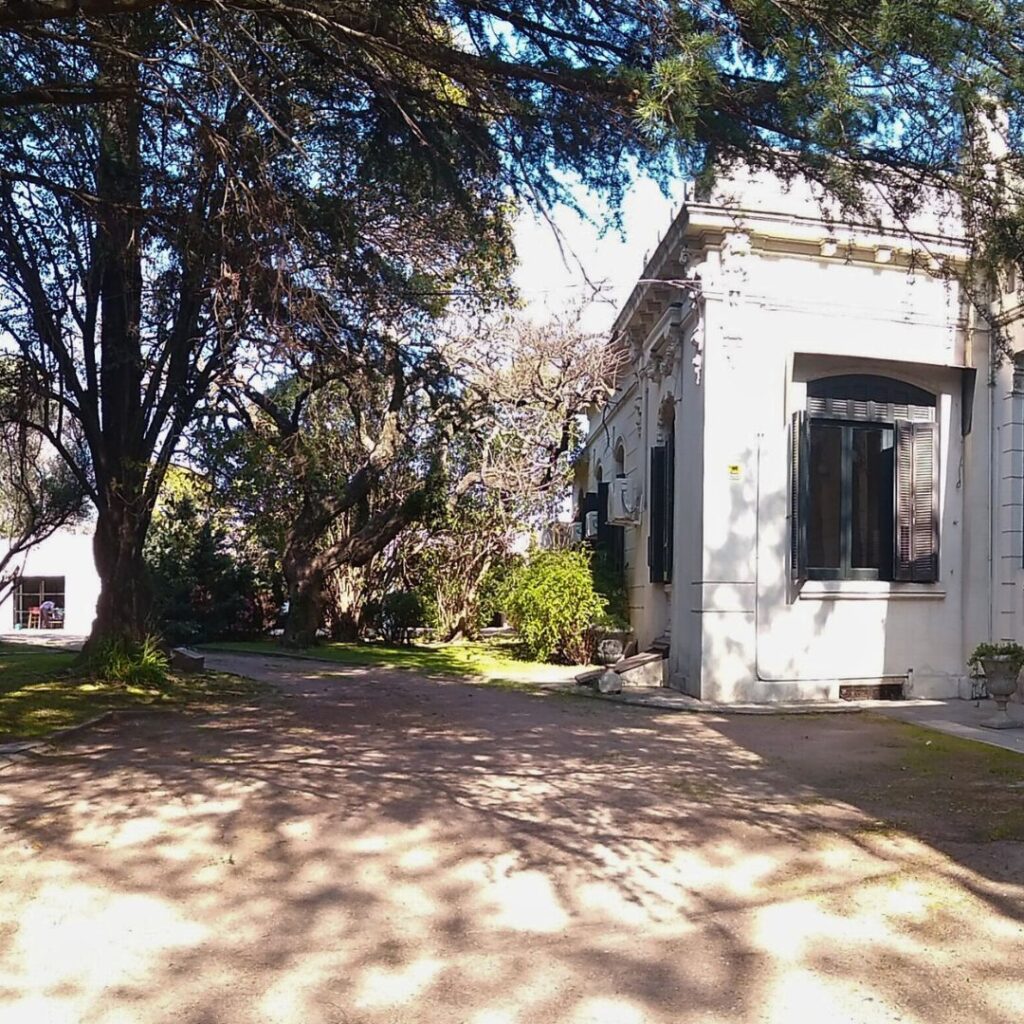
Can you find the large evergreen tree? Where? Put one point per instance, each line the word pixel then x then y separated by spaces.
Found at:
pixel 185 187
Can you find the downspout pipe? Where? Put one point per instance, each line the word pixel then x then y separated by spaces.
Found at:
pixel 993 454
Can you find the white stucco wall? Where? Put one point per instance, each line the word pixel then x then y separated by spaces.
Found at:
pixel 634 419
pixel 625 424
pixel 67 553
pixel 795 320
pixel 778 303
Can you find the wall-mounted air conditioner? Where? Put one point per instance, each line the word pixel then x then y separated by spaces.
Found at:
pixel 623 503
pixel 590 525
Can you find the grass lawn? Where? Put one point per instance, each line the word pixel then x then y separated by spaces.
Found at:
pixel 20 665
pixel 910 778
pixel 40 693
pixel 492 659
pixel 972 783
pixel 20 648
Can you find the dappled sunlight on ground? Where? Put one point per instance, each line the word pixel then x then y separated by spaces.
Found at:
pixel 381 850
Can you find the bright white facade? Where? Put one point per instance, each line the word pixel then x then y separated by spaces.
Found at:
pixel 62 569
pixel 799 377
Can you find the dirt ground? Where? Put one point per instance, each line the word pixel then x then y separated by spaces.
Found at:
pixel 372 848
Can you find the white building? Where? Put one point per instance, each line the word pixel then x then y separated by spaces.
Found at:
pixel 810 484
pixel 60 569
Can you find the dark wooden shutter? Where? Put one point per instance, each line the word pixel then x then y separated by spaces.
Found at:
pixel 603 529
pixel 610 539
pixel 798 497
pixel 670 504
pixel 917 502
pixel 656 535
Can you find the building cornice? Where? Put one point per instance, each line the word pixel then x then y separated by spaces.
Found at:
pixel 701 228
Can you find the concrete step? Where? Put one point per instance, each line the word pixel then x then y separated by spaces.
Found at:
pixel 662 645
pixel 644 669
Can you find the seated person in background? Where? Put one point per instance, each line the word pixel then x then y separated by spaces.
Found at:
pixel 46 614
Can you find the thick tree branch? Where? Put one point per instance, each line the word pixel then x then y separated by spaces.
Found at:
pixel 80 95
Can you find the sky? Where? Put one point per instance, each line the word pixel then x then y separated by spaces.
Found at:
pixel 551 284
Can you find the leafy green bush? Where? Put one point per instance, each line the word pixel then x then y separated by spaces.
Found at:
pixel 552 603
pixel 130 663
pixel 610 583
pixel 400 613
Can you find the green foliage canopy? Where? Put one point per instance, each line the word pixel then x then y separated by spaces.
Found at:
pixel 552 603
pixel 191 190
pixel 205 588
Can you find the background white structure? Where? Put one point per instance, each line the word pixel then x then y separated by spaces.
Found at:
pixel 767 296
pixel 67 554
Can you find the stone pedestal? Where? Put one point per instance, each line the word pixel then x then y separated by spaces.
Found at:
pixel 1001 682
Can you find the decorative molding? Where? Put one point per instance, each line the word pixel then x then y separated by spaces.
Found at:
pixel 697 340
pixel 670 352
pixel 652 368
pixel 666 405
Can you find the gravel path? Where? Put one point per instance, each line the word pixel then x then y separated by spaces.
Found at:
pixel 374 848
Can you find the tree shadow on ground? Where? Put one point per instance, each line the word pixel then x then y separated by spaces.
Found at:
pixel 373 847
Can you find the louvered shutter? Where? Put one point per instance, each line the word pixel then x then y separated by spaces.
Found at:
pixel 670 505
pixel 656 536
pixel 603 529
pixel 619 548
pixel 798 497
pixel 917 502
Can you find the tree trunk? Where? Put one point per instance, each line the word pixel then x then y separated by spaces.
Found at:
pixel 120 457
pixel 346 586
pixel 122 611
pixel 346 627
pixel 459 609
pixel 463 628
pixel 305 582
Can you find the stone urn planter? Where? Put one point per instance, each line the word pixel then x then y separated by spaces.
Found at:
pixel 611 645
pixel 609 651
pixel 1002 664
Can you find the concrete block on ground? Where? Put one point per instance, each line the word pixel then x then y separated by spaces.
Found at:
pixel 609 682
pixel 184 659
pixel 643 670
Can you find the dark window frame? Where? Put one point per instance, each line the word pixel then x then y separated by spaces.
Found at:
pixel 846 570
pixel 853 402
pixel 41 588
pixel 610 541
pixel 659 572
pixel 660 539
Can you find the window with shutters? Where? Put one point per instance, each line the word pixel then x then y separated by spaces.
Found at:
pixel 864 492
pixel 660 539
